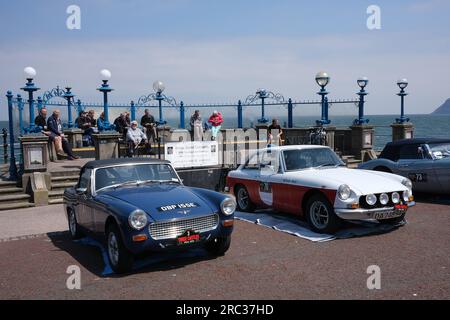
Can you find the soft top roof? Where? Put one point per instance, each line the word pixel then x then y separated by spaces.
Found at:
pixel 111 162
pixel 418 141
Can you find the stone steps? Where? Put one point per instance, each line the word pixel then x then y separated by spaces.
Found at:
pixel 59 182
pixel 14 198
pixel 10 190
pixel 16 205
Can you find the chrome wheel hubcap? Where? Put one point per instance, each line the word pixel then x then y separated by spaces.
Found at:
pixel 113 248
pixel 243 198
pixel 319 215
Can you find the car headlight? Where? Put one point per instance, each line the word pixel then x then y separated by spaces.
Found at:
pixel 371 199
pixel 395 197
pixel 406 195
pixel 407 183
pixel 384 199
pixel 137 219
pixel 344 192
pixel 228 206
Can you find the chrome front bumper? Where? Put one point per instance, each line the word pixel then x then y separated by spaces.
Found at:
pixel 364 214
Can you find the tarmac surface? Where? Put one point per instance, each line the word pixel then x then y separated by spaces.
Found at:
pixel 261 264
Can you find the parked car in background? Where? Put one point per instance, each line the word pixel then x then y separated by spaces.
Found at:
pixel 312 181
pixel 426 162
pixel 140 205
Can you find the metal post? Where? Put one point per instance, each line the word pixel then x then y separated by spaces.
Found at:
pixel 30 88
pixel 5 145
pixel 324 118
pixel 79 107
pixel 105 88
pixel 182 115
pixel 361 119
pixel 402 118
pixel 69 97
pixel 132 111
pixel 239 109
pixel 263 118
pixel 20 107
pixel 160 98
pixel 39 104
pixel 12 160
pixel 290 114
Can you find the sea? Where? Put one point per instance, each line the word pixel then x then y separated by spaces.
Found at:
pixel 425 125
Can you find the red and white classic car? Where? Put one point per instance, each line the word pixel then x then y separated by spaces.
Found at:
pixel 312 181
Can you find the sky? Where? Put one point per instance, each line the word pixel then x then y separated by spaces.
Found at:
pixel 210 51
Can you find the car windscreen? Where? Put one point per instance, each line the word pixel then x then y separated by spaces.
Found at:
pixel 300 159
pixel 440 150
pixel 111 176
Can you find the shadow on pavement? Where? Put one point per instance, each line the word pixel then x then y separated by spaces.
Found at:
pixel 432 198
pixel 91 254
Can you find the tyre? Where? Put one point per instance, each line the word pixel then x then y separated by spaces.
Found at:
pixel 218 246
pixel 393 221
pixel 321 216
pixel 74 227
pixel 119 257
pixel 243 200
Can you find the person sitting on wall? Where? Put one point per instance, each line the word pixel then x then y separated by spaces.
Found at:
pixel 54 125
pixel 121 124
pixel 216 121
pixel 84 123
pixel 274 129
pixel 135 138
pixel 196 126
pixel 91 116
pixel 101 122
pixel 41 122
pixel 149 125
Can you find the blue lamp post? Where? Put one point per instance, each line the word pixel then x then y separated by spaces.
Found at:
pixel 105 89
pixel 20 106
pixel 12 159
pixel 30 88
pixel 322 79
pixel 262 94
pixel 159 87
pixel 402 84
pixel 362 83
pixel 68 95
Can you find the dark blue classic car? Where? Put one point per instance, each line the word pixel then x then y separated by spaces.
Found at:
pixel 141 205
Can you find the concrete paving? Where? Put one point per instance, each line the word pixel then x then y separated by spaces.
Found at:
pixel 32 221
pixel 261 264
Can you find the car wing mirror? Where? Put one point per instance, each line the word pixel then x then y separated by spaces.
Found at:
pixel 81 190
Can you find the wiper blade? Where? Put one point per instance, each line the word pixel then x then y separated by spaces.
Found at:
pixel 117 185
pixel 328 165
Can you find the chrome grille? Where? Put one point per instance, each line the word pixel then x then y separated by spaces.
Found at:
pixel 173 229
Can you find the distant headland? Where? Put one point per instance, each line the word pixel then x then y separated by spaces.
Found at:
pixel 444 109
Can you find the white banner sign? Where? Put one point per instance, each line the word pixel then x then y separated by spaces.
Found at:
pixel 192 153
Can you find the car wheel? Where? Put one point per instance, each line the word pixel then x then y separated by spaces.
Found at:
pixel 321 216
pixel 393 221
pixel 243 199
pixel 120 258
pixel 74 227
pixel 218 246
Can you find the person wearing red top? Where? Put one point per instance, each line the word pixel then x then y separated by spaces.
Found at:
pixel 216 121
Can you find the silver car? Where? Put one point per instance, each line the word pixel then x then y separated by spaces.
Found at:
pixel 426 162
